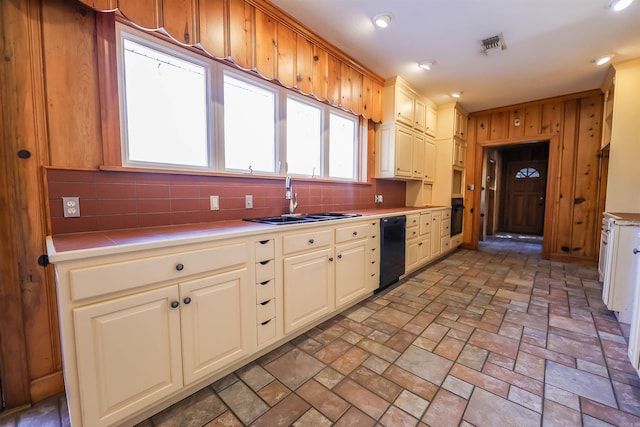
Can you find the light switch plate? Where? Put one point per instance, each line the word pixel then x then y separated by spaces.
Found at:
pixel 214 203
pixel 248 201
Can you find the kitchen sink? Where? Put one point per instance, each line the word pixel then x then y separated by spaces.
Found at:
pixel 301 218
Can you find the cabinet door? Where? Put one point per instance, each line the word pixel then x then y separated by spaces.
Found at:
pixel 411 259
pixel 459 153
pixel 308 288
pixel 403 155
pixel 431 120
pixel 216 322
pixel 460 123
pixel 129 355
pixel 419 142
pixel 429 161
pixel 420 115
pixel 352 261
pixel 404 106
pixel 424 249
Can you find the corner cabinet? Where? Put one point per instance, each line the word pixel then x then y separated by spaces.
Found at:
pixel 409 123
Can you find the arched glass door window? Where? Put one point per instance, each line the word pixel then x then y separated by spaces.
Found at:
pixel 527 173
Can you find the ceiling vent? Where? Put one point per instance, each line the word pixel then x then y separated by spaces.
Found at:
pixel 494 43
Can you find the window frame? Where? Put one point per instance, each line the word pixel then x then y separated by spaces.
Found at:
pixel 215 72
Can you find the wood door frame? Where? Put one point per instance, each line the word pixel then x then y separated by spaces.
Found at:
pixel 551 188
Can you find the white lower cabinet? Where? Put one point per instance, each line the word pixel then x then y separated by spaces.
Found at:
pixel 128 354
pixel 140 348
pixel 352 267
pixel 308 287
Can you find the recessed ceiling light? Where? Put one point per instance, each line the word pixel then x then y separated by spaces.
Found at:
pixel 619 5
pixel 382 20
pixel 426 65
pixel 456 94
pixel 602 60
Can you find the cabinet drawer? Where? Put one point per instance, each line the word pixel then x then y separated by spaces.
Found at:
pixel 265 250
pixel 266 310
pixel 446 227
pixel 413 220
pixel 446 214
pixel 445 244
pixel 374 228
pixel 352 232
pixel 87 282
pixel 305 241
pixel 373 254
pixel 412 232
pixel 265 270
pixel 425 223
pixel 265 291
pixel 266 330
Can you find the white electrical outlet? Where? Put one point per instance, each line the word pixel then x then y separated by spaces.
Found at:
pixel 378 198
pixel 214 203
pixel 248 201
pixel 71 207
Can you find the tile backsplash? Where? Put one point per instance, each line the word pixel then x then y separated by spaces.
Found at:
pixel 112 200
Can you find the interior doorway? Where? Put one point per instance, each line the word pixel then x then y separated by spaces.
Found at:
pixel 513 194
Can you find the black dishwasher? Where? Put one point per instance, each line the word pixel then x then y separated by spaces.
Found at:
pixel 392 247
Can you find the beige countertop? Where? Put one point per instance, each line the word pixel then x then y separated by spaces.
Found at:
pixel 624 218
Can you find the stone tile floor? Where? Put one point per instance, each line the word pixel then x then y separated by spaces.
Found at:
pixel 495 337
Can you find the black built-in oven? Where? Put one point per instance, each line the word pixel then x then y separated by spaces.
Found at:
pixel 457 208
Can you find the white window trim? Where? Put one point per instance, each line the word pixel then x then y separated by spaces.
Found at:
pixel 215 115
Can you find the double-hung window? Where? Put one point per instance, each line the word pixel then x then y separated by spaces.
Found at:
pixel 184 111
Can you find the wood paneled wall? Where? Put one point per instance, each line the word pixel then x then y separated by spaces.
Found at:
pixel 52 107
pixel 572 124
pixel 255 35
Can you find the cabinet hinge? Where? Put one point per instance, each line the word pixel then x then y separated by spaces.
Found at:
pixel 43 260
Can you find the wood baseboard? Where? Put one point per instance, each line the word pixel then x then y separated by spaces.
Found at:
pixel 46 386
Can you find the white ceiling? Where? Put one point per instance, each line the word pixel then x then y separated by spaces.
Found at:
pixel 550 43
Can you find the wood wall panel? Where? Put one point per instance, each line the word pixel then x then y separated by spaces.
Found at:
pixel 483 128
pixel 532 117
pixel 356 90
pixel 564 213
pixel 345 87
pixel 499 125
pixel 179 18
pixel 145 13
pixel 72 91
pixel 376 114
pixel 213 25
pixel 108 90
pixel 304 64
pixel 551 118
pixel 367 97
pixel 516 123
pixel 320 72
pixel 286 55
pixel 585 237
pixel 241 31
pixel 334 85
pixel 266 52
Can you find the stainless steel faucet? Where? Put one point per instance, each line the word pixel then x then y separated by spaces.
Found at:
pixel 293 201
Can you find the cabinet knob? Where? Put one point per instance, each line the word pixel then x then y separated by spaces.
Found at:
pixel 420 244
pixel 187 300
pixel 264 242
pixel 636 251
pixel 311 241
pixel 339 256
pixel 265 282
pixel 180 267
pixel 355 233
pixel 174 304
pixel 331 259
pixel 265 262
pixel 266 322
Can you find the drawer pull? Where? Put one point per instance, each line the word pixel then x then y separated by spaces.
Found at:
pixel 174 304
pixel 311 241
pixel 265 282
pixel 339 256
pixel 420 244
pixel 264 242
pixel 180 267
pixel 373 249
pixel 265 262
pixel 187 300
pixel 373 237
pixel 636 251
pixel 373 262
pixel 266 322
pixel 355 233
pixel 331 259
pixel 373 274
pixel 265 302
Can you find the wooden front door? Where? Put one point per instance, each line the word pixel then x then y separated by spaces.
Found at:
pixel 526 184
